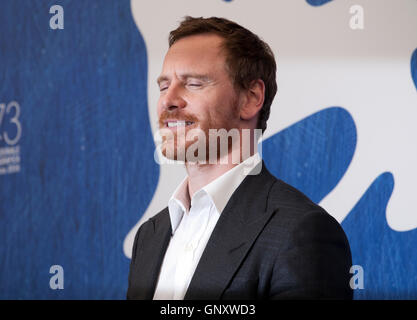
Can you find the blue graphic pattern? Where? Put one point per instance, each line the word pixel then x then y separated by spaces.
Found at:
pixel 317 3
pixel 386 256
pixel 84 180
pixel 313 154
pixel 413 64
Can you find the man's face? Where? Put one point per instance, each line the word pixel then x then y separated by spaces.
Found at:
pixel 195 88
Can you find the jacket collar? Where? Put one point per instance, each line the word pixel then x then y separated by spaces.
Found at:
pixel 243 218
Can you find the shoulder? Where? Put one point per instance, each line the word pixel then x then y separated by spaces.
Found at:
pixel 299 216
pixel 312 253
pixel 148 228
pixel 290 200
pixel 285 196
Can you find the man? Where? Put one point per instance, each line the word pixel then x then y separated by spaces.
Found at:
pixel 231 230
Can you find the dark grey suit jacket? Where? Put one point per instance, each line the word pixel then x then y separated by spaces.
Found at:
pixel 270 242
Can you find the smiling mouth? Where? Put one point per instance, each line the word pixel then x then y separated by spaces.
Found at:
pixel 177 124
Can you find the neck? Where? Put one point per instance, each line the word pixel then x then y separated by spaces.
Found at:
pixel 199 175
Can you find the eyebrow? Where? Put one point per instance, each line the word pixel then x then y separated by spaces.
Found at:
pixel 185 76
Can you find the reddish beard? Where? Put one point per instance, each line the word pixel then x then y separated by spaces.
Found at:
pixel 179 144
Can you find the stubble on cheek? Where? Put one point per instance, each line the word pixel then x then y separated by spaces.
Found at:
pixel 226 120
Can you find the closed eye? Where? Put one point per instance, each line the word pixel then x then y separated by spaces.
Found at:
pixel 163 86
pixel 194 85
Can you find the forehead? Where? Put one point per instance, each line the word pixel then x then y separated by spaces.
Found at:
pixel 196 53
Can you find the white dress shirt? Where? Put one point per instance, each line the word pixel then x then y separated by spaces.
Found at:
pixel 191 230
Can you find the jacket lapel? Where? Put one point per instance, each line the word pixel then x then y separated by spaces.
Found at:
pixel 239 224
pixel 157 236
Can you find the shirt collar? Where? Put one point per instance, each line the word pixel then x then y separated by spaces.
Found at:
pixel 218 191
pixel 222 188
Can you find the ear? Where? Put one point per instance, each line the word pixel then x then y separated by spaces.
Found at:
pixel 254 100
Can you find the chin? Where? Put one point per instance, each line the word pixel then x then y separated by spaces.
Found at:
pixel 171 152
pixel 182 153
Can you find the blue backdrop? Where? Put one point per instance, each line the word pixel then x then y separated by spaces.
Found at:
pixel 86 147
pixel 85 156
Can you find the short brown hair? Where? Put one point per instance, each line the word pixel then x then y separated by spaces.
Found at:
pixel 248 58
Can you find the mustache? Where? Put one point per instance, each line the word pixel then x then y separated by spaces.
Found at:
pixel 176 115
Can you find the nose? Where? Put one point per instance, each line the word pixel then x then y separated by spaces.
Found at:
pixel 172 98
